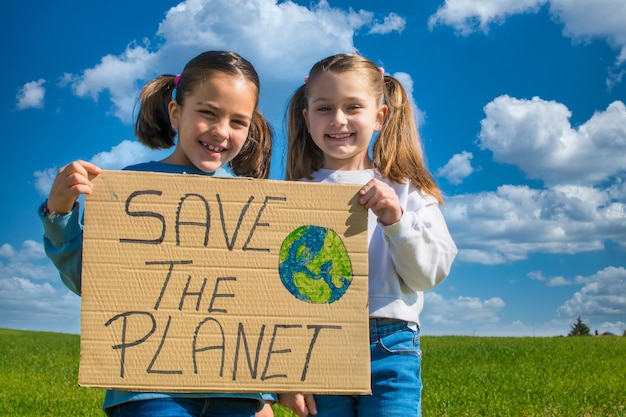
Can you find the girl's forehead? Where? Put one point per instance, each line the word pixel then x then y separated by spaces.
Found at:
pixel 338 83
pixel 222 82
pixel 200 80
pixel 342 76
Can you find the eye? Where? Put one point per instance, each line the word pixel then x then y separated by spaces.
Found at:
pixel 207 112
pixel 241 123
pixel 323 108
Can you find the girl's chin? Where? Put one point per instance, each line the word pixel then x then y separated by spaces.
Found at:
pixel 209 166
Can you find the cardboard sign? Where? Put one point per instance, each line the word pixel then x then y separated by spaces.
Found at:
pixel 200 284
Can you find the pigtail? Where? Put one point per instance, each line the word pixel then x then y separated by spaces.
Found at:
pixel 303 155
pixel 255 156
pixel 396 151
pixel 153 127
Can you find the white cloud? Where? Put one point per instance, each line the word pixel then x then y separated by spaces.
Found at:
pixel 391 23
pixel 124 154
pixel 536 275
pixel 119 75
pixel 603 295
pixel 558 281
pixel 616 328
pixel 407 82
pixel 514 221
pixel 536 136
pixel 37 306
pixel 31 96
pixel 27 262
pixel 460 315
pixel 32 295
pixel 584 20
pixel 457 168
pixel 467 16
pixel 454 311
pixel 44 180
pixel 281 39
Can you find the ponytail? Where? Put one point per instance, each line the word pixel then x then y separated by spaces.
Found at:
pixel 153 127
pixel 303 155
pixel 255 157
pixel 397 150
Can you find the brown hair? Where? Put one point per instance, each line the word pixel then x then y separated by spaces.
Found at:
pixel 397 151
pixel 154 129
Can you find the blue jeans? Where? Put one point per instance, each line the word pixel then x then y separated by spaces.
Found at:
pixel 186 407
pixel 396 376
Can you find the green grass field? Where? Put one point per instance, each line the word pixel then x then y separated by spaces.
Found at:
pixel 463 376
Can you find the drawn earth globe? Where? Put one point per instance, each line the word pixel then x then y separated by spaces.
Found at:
pixel 314 265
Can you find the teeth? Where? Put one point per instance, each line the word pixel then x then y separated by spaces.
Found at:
pixel 341 136
pixel 212 148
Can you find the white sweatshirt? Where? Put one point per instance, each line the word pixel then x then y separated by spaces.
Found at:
pixel 405 258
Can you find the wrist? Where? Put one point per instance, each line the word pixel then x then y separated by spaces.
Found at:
pixel 52 214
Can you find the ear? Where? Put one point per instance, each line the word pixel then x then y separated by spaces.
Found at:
pixel 174 111
pixel 380 117
pixel 305 113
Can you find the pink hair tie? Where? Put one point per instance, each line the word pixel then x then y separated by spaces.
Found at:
pixel 306 79
pixel 176 80
pixel 382 70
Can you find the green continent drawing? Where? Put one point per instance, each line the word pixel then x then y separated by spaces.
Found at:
pixel 314 265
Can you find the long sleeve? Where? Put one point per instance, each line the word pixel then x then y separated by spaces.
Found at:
pixel 420 246
pixel 63 243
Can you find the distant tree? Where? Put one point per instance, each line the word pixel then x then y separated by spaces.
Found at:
pixel 579 328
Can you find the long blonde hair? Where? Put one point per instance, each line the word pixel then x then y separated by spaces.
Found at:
pixel 397 150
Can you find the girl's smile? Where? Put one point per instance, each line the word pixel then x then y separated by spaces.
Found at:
pixel 339 136
pixel 212 148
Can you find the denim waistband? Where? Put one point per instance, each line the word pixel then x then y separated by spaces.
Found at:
pixel 381 327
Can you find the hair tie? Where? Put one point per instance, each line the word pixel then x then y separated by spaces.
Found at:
pixel 175 89
pixel 382 70
pixel 306 79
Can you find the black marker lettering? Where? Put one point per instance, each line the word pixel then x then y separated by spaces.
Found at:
pixel 264 376
pixel 206 224
pixel 122 346
pixel 158 216
pixel 195 349
pixel 241 335
pixel 158 351
pixel 258 223
pixel 167 278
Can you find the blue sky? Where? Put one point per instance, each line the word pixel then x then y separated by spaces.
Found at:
pixel 521 112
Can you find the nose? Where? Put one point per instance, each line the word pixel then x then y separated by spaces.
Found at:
pixel 338 118
pixel 220 129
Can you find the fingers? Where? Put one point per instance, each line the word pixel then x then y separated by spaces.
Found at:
pixel 298 403
pixel 374 191
pixel 309 402
pixel 92 169
pixel 71 181
pixel 382 200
